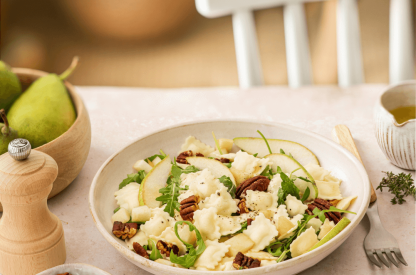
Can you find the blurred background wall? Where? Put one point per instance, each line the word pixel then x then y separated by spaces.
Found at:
pixel 160 43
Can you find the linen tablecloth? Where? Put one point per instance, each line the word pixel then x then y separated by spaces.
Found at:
pixel 121 115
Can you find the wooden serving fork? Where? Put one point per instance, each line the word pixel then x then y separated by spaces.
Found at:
pixel 378 240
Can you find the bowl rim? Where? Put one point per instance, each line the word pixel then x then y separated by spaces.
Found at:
pixel 127 253
pixel 75 98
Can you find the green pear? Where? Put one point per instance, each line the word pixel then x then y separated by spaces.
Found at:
pixel 288 164
pixel 257 145
pixel 154 180
pixel 45 110
pixel 217 168
pixel 7 134
pixel 331 234
pixel 10 88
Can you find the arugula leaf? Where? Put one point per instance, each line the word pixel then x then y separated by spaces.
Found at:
pixel 334 209
pixel 152 158
pixel 306 194
pixel 265 140
pixel 282 152
pixel 278 251
pixel 176 172
pixel 155 252
pixel 139 223
pixel 190 169
pixel 289 187
pixel 243 227
pixel 170 192
pixel 281 196
pixel 268 172
pixel 321 216
pixel 291 173
pixel 135 177
pixel 305 179
pixel 229 184
pixel 186 260
pixel 282 256
pixel 170 198
pixel 216 143
pixel 189 259
pixel 228 164
pixel 285 248
pixel 255 155
pixel 321 213
pixel 115 210
pixel 285 244
pixel 278 170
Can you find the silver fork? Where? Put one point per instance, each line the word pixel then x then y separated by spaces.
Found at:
pixel 378 240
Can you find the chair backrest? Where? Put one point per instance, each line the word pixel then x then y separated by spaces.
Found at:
pixel 350 65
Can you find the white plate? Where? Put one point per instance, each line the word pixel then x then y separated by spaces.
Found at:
pixel 331 156
pixel 74 269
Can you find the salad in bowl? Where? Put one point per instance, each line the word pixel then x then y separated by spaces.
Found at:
pixel 238 205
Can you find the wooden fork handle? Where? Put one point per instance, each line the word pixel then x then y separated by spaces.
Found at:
pixel 342 135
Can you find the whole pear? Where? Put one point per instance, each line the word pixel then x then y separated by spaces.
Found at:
pixel 10 88
pixel 7 134
pixel 45 110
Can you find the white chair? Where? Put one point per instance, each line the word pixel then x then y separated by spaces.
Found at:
pixel 350 65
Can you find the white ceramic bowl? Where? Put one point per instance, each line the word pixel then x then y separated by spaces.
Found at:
pixel 74 269
pixel 331 156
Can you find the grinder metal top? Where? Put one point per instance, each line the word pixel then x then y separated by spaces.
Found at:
pixel 19 149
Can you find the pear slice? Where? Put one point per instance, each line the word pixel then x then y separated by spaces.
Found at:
pixel 214 166
pixel 288 164
pixel 331 234
pixel 155 180
pixel 257 145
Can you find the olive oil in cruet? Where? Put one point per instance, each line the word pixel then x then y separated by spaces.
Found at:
pixel 403 114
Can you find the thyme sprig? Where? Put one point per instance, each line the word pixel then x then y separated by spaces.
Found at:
pixel 401 185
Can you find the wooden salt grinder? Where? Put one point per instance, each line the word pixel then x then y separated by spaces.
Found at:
pixel 31 237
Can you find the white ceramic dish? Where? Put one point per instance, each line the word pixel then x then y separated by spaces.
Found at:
pixel 397 141
pixel 74 269
pixel 331 156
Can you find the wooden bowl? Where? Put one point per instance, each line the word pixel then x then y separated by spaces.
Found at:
pixel 70 150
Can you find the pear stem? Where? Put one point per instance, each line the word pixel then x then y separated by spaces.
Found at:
pixel 71 68
pixel 3 116
pixel 5 130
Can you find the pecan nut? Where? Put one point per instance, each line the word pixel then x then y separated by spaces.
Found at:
pixel 66 273
pixel 182 156
pixel 138 248
pixel 242 261
pixel 322 204
pixel 124 230
pixel 223 160
pixel 242 208
pixel 258 183
pixel 167 248
pixel 249 221
pixel 188 207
